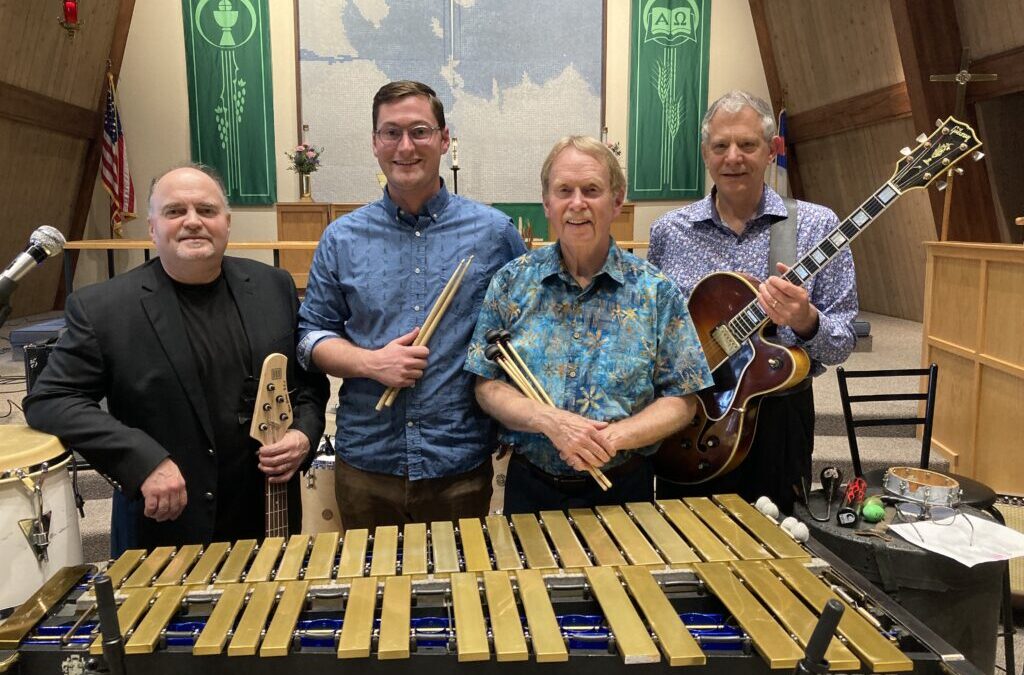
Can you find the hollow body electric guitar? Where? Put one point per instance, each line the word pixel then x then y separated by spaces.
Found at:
pixel 731 324
pixel 270 420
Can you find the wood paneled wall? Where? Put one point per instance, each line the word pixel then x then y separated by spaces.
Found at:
pixel 51 87
pixel 842 72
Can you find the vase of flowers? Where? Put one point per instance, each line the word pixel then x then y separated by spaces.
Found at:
pixel 305 159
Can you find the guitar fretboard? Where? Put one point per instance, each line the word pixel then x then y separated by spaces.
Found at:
pixel 753 316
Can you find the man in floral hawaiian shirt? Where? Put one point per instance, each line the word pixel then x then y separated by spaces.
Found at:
pixel 608 337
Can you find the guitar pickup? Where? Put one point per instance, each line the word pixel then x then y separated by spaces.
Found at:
pixel 725 339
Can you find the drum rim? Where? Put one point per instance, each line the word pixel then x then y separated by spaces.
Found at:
pixel 22 446
pixel 945 491
pixel 58 462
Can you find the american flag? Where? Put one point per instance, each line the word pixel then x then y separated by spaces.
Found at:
pixel 780 171
pixel 114 166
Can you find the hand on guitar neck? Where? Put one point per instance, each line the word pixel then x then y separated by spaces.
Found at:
pixel 788 304
pixel 280 460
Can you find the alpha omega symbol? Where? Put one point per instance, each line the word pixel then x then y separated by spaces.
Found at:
pixel 670 23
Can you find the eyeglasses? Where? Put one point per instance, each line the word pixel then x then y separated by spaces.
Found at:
pixel 419 134
pixel 911 512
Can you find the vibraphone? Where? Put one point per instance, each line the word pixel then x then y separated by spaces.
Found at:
pixel 706 583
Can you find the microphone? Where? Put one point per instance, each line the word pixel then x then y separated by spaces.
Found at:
pixel 46 241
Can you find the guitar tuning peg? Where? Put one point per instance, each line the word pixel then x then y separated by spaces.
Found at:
pixel 921 138
pixel 940 186
pixel 977 155
pixel 958 170
pixel 906 152
pixel 938 122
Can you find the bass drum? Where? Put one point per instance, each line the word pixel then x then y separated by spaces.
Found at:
pixel 39 531
pixel 319 505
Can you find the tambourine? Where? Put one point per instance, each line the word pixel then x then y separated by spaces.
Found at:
pixel 921 486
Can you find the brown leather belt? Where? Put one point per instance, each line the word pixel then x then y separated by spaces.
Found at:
pixel 633 462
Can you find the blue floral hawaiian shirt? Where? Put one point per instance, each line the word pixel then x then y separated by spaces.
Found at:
pixel 604 352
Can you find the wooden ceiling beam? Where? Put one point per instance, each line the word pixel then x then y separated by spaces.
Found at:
pixel 29 107
pixel 776 91
pixel 863 110
pixel 1008 65
pixel 928 36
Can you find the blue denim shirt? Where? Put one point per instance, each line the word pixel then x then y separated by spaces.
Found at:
pixel 604 352
pixel 375 276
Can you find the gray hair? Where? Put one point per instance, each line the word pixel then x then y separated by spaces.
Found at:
pixel 201 168
pixel 735 101
pixel 588 146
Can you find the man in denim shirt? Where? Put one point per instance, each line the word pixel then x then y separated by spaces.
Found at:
pixel 375 276
pixel 608 337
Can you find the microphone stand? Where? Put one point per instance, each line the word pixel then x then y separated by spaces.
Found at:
pixel 6 289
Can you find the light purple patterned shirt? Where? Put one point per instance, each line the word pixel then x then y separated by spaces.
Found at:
pixel 689 243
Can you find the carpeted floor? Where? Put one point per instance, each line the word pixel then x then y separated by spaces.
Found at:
pixel 895 343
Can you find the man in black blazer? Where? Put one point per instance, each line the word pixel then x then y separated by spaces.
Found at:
pixel 175 346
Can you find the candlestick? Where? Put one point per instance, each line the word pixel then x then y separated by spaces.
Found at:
pixel 455 153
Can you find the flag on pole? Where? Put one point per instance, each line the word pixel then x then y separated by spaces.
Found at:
pixel 117 180
pixel 780 171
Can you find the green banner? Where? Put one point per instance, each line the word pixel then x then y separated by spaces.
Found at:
pixel 668 94
pixel 231 100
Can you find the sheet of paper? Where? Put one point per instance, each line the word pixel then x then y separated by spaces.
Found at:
pixel 991 541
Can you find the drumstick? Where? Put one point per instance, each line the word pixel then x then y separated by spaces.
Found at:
pixel 494 352
pixel 430 323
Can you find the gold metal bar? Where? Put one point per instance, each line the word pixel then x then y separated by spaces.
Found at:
pixel 870 646
pixel 175 571
pixel 533 543
pixel 631 636
pixel 247 634
pixel 131 610
pixel 470 629
pixel 385 551
pixel 632 542
pixel 509 641
pixel 791 611
pixel 393 642
pixel 294 555
pixel 124 565
pixel 279 634
pixel 669 544
pixel 570 551
pixel 474 546
pixel 353 554
pixel 263 564
pixel 770 639
pixel 238 558
pixel 215 634
pixel 321 558
pixel 704 542
pixel 357 629
pixel 414 548
pixel 601 546
pixel 207 565
pixel 678 646
pixel 446 553
pixel 506 555
pixel 727 529
pixel 545 635
pixel 769 533
pixel 145 637
pixel 150 567
pixel 24 619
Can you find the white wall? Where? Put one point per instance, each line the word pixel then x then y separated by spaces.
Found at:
pixel 153 101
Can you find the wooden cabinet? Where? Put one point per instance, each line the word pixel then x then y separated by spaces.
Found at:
pixel 622 227
pixel 973 322
pixel 305 221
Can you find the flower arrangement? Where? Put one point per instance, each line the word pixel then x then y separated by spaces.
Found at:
pixel 305 158
pixel 615 148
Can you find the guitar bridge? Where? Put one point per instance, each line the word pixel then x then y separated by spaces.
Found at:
pixel 724 337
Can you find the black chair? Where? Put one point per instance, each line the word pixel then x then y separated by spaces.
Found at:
pixel 974 493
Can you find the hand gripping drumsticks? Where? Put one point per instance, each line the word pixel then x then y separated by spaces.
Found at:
pixel 501 351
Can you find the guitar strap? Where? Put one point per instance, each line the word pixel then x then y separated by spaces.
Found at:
pixel 782 243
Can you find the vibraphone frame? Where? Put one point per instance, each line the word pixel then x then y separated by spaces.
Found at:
pixel 633 549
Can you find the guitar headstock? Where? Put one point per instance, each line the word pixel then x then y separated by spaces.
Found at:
pixel 936 155
pixel 272 414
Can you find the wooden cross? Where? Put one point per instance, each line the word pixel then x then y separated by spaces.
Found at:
pixel 962 79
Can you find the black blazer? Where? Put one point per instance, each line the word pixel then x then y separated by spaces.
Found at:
pixel 126 342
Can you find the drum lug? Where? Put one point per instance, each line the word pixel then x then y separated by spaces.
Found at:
pixel 37 533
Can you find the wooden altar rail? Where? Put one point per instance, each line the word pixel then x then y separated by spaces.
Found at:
pixel 145 245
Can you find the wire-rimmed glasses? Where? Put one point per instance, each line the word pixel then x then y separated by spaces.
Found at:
pixel 911 512
pixel 419 134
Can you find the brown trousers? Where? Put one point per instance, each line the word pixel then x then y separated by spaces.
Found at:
pixel 367 499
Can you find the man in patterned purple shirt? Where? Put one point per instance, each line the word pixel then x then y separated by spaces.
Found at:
pixel 729 230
